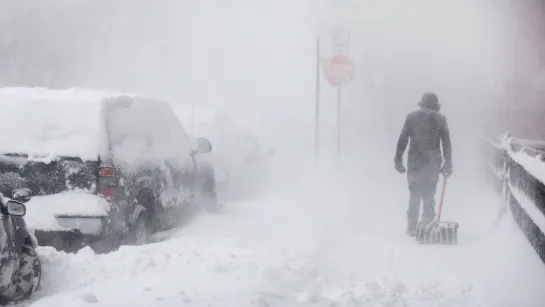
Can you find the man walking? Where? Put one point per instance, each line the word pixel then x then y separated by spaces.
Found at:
pixel 426 128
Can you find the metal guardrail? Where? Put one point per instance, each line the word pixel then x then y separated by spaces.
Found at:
pixel 525 192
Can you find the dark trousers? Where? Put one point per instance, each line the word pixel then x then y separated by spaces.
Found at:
pixel 422 179
pixel 428 206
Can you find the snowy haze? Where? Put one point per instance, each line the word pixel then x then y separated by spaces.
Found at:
pixel 256 60
pixel 258 56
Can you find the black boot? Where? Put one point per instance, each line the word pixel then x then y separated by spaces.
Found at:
pixel 411 230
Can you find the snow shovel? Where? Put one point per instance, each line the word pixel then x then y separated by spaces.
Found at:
pixel 438 232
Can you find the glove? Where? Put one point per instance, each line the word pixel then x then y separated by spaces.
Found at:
pixel 446 170
pixel 399 167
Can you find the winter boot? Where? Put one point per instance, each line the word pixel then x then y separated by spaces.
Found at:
pixel 411 230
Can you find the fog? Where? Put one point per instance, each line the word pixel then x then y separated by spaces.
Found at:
pixel 257 58
pixel 256 61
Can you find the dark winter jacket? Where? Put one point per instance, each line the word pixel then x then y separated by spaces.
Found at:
pixel 426 129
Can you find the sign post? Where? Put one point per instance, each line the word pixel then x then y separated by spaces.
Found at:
pixel 339 125
pixel 339 71
pixel 337 18
pixel 192 110
pixel 317 106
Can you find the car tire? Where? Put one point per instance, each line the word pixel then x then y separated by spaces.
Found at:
pixel 28 277
pixel 139 232
pixel 209 197
pixel 210 202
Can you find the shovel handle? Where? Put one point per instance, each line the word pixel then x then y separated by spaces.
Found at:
pixel 442 198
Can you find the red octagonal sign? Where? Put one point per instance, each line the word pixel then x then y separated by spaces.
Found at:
pixel 339 70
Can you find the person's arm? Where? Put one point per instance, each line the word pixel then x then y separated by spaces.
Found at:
pixel 402 141
pixel 445 141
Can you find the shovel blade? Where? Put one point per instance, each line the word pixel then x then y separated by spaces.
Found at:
pixel 437 232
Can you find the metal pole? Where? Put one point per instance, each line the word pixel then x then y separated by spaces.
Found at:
pixel 192 111
pixel 317 106
pixel 339 124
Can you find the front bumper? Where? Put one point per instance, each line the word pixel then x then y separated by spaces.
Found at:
pixel 87 225
pixel 75 232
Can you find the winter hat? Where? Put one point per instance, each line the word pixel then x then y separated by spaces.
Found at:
pixel 429 100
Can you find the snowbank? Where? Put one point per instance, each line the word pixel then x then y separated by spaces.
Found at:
pixel 41 210
pixel 212 272
pixel 43 123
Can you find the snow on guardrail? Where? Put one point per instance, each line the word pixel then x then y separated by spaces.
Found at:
pixel 524 153
pixel 524 167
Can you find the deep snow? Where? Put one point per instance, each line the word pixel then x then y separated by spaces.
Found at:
pixel 329 240
pixel 45 123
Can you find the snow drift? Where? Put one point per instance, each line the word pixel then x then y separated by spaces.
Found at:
pixel 45 123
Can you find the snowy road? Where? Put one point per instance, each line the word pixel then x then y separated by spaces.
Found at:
pixel 312 242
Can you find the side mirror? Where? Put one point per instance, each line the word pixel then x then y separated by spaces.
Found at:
pixel 22 195
pixel 203 146
pixel 15 208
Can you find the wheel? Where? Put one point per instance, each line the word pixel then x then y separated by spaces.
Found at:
pixel 27 278
pixel 210 201
pixel 139 232
pixel 209 196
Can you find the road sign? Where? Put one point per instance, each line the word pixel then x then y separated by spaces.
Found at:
pixel 339 70
pixel 340 41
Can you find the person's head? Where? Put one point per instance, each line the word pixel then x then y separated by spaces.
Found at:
pixel 430 101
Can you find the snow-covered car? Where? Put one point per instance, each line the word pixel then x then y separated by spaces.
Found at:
pixel 105 169
pixel 239 163
pixel 20 268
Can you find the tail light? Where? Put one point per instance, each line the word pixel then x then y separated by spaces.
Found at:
pixel 107 180
pixel 106 172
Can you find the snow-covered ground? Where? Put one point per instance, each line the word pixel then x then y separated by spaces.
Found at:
pixel 313 240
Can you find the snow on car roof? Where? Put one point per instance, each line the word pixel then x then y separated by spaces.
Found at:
pixel 45 123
